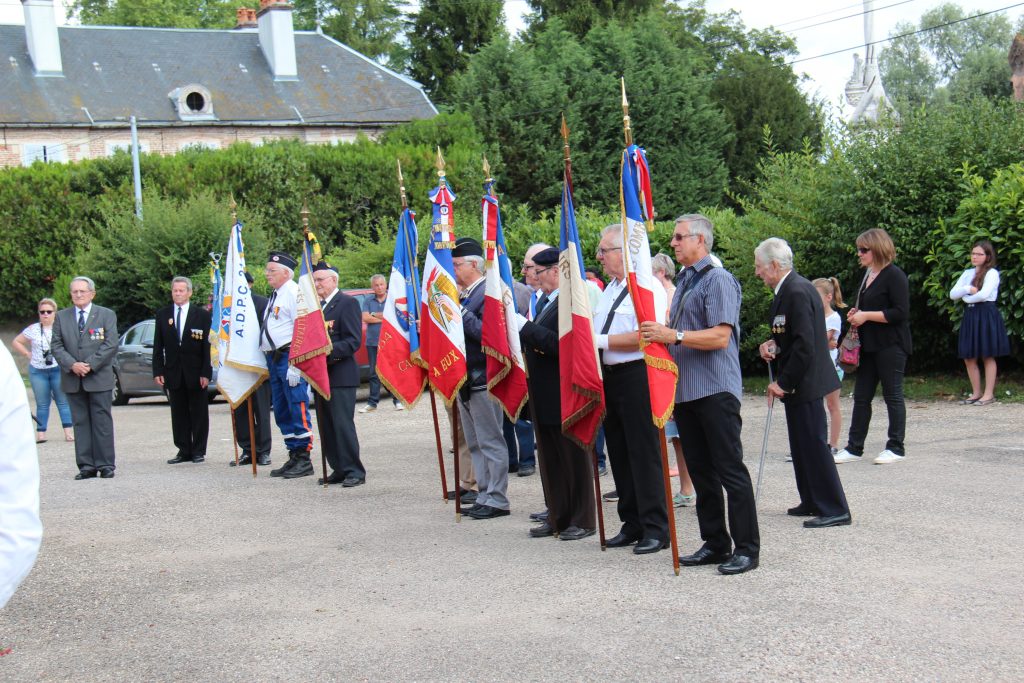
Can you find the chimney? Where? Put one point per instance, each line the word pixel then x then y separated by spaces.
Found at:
pixel 245 18
pixel 41 36
pixel 277 38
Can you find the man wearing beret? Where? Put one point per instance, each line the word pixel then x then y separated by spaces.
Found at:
pixel 345 327
pixel 565 469
pixel 290 393
pixel 479 414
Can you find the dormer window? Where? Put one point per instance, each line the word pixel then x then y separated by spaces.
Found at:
pixel 193 103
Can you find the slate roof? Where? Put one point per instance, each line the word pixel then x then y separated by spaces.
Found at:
pixel 119 72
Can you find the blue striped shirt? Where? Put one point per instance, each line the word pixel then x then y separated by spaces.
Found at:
pixel 713 301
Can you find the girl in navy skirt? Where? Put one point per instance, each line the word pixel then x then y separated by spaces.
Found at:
pixel 982 332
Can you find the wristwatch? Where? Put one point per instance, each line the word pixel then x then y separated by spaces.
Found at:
pixel 679 338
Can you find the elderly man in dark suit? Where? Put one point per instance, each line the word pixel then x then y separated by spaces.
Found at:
pixel 564 467
pixel 85 345
pixel 805 376
pixel 344 324
pixel 181 365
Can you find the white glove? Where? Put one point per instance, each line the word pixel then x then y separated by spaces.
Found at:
pixel 294 377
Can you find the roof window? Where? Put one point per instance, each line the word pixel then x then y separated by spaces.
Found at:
pixel 193 103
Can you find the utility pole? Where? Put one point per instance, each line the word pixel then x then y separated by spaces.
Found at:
pixel 136 174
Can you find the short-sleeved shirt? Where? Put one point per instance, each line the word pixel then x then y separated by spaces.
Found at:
pixel 40 339
pixel 371 305
pixel 279 319
pixel 624 318
pixel 714 300
pixel 834 324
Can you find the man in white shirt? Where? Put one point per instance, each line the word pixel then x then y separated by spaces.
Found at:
pixel 631 437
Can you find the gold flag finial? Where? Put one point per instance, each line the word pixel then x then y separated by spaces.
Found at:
pixel 440 164
pixel 401 185
pixel 625 114
pixel 487 170
pixel 565 137
pixel 305 218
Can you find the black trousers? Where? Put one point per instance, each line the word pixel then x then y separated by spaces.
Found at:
pixel 635 451
pixel 341 444
pixel 190 420
pixel 817 480
pixel 568 474
pixel 886 367
pixel 261 419
pixel 709 432
pixel 94 429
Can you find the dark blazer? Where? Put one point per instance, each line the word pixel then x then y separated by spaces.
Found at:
pixel 889 293
pixel 472 325
pixel 260 302
pixel 540 351
pixel 345 326
pixel 96 345
pixel 797 319
pixel 182 363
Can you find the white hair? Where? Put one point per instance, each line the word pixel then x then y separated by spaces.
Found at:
pixel 477 261
pixel 699 224
pixel 774 249
pixel 182 279
pixel 87 280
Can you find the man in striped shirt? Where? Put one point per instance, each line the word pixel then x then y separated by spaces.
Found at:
pixel 703 337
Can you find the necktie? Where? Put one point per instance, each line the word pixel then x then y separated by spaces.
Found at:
pixel 177 323
pixel 541 303
pixel 323 303
pixel 81 321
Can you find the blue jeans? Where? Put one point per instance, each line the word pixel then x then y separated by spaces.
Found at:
pixel 374 399
pixel 46 386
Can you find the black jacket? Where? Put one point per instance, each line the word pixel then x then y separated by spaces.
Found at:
pixel 889 293
pixel 344 320
pixel 182 364
pixel 540 351
pixel 805 368
pixel 472 325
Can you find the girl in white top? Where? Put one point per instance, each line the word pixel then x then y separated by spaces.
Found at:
pixel 43 371
pixel 982 332
pixel 831 295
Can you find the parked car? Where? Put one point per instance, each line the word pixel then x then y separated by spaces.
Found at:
pixel 362 358
pixel 133 368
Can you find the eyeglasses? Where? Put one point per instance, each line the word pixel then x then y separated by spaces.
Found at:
pixel 683 237
pixel 527 266
pixel 456 264
pixel 601 251
pixel 863 250
pixel 45 312
pixel 538 271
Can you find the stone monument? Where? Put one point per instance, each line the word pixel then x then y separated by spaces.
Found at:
pixel 864 90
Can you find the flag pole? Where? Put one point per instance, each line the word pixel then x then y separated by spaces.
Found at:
pixel 248 400
pixel 590 450
pixel 320 410
pixel 455 408
pixel 216 259
pixel 670 508
pixel 410 255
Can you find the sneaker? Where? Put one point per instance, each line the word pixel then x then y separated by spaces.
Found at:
pixel 367 409
pixel 399 406
pixel 610 497
pixel 681 501
pixel 844 455
pixel 887 457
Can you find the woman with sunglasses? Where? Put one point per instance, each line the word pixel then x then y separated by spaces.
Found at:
pixel 982 332
pixel 43 371
pixel 881 318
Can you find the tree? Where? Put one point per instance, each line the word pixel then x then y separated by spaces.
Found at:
pixel 155 13
pixel 445 34
pixel 579 16
pixel 954 55
pixel 374 28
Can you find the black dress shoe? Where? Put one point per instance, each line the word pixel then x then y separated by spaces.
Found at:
pixel 621 540
pixel 349 482
pixel 334 478
pixel 85 474
pixel 539 516
pixel 704 556
pixel 176 459
pixel 802 511
pixel 488 512
pixel 575 533
pixel 649 545
pixel 542 531
pixel 198 458
pixel 263 459
pixel 107 473
pixel 835 520
pixel 527 471
pixel 468 498
pixel 245 459
pixel 472 509
pixel 738 564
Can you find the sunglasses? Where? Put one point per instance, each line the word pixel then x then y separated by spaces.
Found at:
pixel 45 312
pixel 863 250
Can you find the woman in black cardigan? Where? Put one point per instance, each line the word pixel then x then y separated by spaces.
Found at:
pixel 881 318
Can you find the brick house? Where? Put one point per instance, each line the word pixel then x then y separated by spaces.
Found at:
pixel 67 93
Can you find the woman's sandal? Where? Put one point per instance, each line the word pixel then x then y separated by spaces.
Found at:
pixel 969 401
pixel 986 402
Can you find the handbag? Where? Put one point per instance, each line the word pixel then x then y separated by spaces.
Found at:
pixel 849 348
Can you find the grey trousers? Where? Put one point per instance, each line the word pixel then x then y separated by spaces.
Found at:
pixel 480 419
pixel 94 430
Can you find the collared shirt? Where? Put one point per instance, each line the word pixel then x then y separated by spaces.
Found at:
pixel 714 300
pixel 279 318
pixel 371 305
pixel 329 299
pixel 522 319
pixel 469 290
pixel 778 285
pixel 78 314
pixel 624 318
pixel 183 318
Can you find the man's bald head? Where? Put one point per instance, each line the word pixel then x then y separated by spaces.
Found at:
pixel 529 267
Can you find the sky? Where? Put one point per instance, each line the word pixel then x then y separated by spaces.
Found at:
pixel 818 27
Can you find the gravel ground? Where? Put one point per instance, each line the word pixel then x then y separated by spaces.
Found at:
pixel 202 573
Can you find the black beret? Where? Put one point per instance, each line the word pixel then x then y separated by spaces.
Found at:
pixel 547 257
pixel 282 258
pixel 467 246
pixel 323 265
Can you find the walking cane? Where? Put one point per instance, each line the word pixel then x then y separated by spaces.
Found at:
pixel 764 443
